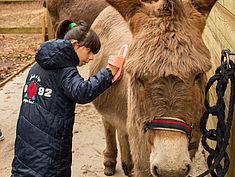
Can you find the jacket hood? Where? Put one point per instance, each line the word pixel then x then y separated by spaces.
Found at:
pixel 56 53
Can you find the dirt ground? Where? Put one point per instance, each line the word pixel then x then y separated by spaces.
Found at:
pixel 15 52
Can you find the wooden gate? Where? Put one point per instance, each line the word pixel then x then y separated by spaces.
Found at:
pixel 218 34
pixel 45 29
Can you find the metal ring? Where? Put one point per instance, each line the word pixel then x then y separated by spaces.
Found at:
pixel 225 53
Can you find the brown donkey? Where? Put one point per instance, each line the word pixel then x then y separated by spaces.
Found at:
pixel 75 10
pixel 162 86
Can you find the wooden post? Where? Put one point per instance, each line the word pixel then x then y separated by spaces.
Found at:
pixel 49 25
pixel 43 28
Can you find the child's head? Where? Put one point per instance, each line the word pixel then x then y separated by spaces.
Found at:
pixel 85 40
pixel 85 36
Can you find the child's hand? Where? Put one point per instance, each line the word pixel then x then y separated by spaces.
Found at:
pixel 113 69
pixel 115 63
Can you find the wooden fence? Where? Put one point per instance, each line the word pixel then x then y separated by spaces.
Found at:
pixel 218 34
pixel 45 29
pixel 20 0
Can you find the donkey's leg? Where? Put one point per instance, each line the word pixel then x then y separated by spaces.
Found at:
pixel 141 164
pixel 127 164
pixel 110 152
pixel 140 151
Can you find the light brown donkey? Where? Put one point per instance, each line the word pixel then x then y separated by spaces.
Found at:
pixel 162 87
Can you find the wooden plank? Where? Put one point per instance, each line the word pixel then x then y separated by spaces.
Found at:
pixel 232 145
pixel 43 28
pixel 215 55
pixel 49 25
pixel 17 72
pixel 224 24
pixel 231 151
pixel 20 0
pixel 26 30
pixel 218 34
pixel 229 5
pixel 215 48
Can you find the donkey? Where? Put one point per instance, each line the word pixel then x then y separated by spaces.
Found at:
pixel 163 84
pixel 75 10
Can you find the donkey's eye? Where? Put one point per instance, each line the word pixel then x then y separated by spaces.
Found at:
pixel 140 81
pixel 149 1
pixel 146 0
pixel 197 77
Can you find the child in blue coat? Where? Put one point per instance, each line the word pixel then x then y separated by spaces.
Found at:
pixel 52 89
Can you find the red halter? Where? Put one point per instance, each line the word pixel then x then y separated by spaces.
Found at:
pixel 169 123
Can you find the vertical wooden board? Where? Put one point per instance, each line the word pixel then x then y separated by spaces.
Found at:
pixel 232 172
pixel 229 5
pixel 214 47
pixel 43 28
pixel 231 151
pixel 231 146
pixel 19 0
pixel 49 25
pixel 224 23
pixel 215 41
pixel 218 34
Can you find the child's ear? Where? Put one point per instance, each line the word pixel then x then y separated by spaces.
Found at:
pixel 74 42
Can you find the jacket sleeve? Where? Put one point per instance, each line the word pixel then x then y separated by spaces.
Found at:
pixel 84 91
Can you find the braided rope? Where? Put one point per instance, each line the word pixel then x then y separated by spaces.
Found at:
pixel 221 134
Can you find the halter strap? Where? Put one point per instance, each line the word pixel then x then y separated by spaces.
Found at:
pixel 169 123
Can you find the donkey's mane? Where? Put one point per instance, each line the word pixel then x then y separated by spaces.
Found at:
pixel 167 46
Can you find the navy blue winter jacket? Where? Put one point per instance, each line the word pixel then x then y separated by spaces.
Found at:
pixel 44 129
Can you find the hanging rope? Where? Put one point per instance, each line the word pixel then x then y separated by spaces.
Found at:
pixel 218 159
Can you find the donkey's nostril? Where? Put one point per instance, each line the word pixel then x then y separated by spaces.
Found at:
pixel 155 171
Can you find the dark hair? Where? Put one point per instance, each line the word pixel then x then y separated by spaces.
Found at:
pixel 82 33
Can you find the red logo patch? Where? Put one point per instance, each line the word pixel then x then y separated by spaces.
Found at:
pixel 31 91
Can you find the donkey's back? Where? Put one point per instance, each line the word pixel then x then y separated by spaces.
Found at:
pixel 112 104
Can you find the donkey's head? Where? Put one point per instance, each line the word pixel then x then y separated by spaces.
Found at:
pixel 167 62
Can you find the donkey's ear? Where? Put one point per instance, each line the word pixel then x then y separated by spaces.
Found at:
pixel 127 8
pixel 62 28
